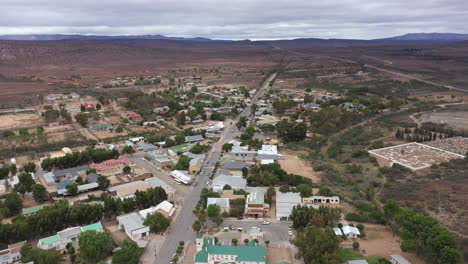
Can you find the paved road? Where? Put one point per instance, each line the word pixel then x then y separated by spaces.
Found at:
pixel 182 229
pixel 276 232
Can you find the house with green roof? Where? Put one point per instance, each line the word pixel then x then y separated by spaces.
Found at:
pixel 32 210
pixel 209 253
pixel 177 149
pixel 93 227
pixel 69 235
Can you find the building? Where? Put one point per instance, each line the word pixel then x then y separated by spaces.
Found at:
pixel 255 205
pixel 398 259
pixel 159 159
pixel 337 231
pixel 209 253
pixel 32 210
pixel 255 233
pixel 321 199
pixel 269 154
pixel 241 154
pixel 145 147
pixel 223 203
pixel 111 165
pixel 235 165
pixel 181 176
pixel 285 203
pixel 100 127
pixel 178 149
pixel 312 106
pixel 128 190
pixel 12 254
pixel 236 182
pixel 193 139
pixel 195 165
pixel 66 173
pixel 154 182
pixel 69 235
pixel 359 261
pixel 350 231
pixel 92 177
pixel 165 208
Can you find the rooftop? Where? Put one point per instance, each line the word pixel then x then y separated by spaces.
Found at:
pixel 95 226
pixel 32 210
pixel 256 197
pixel 49 240
pixel 250 253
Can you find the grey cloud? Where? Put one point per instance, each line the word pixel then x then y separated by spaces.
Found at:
pixel 235 19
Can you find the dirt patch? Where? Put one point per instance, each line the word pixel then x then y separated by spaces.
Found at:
pixel 293 164
pixel 275 254
pixel 13 121
pixel 455 119
pixel 382 242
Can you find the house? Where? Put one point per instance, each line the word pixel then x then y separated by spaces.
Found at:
pixel 398 259
pixel 223 203
pixel 178 149
pixel 195 165
pixel 209 253
pixel 193 139
pixel 133 115
pixel 100 127
pixel 69 173
pixel 159 159
pixel 69 235
pixel 181 176
pixel 92 177
pixel 312 106
pixel 87 187
pixel 111 165
pixel 321 199
pixel 350 231
pixel 337 231
pixel 128 190
pixel 268 154
pixel 165 208
pixel 285 203
pixel 32 210
pixel 197 121
pixel 12 254
pixel 134 228
pixel 67 150
pixel 359 261
pixel 235 165
pixel 62 186
pixel 236 182
pixel 241 154
pixel 255 204
pixel 145 147
pixel 136 139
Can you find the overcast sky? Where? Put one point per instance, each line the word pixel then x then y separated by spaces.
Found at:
pixel 235 19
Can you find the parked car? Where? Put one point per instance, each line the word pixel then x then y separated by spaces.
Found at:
pixel 290 232
pixel 265 222
pixel 232 227
pixel 239 229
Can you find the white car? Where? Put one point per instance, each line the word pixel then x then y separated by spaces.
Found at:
pixel 290 232
pixel 265 222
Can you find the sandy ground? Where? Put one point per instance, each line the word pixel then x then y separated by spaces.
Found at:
pixel 293 164
pixel 275 255
pixel 382 242
pixel 13 121
pixel 455 119
pixel 108 134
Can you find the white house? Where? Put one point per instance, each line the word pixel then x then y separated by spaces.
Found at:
pixel 133 225
pixel 350 231
pixel 399 259
pixel 181 176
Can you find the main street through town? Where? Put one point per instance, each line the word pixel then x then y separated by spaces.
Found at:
pixel 182 228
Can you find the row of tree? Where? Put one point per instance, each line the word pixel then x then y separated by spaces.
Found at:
pixel 273 175
pixel 79 158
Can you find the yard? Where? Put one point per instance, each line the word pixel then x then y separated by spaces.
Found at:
pixel 292 163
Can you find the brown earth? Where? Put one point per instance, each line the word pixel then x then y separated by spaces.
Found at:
pixel 13 121
pixel 293 164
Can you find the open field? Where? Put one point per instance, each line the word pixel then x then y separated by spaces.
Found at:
pixel 293 164
pixel 13 121
pixel 454 119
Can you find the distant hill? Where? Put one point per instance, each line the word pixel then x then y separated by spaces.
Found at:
pixel 43 37
pixel 428 37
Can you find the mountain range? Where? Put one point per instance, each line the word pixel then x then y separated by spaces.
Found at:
pixel 421 37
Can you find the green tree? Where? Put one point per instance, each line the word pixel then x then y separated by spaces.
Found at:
pixel 51 115
pixel 95 246
pixel 227 147
pixel 103 182
pixel 72 189
pixel 157 222
pixel 39 256
pixel 197 226
pixel 13 203
pixel 183 163
pixel 213 210
pixel 30 167
pixel 304 189
pixel 127 169
pixel 128 150
pixel 25 184
pixel 129 253
pixel 319 246
pixel 13 169
pixel 82 119
pixel 356 245
pixel 234 241
pixel 179 139
pixel 39 193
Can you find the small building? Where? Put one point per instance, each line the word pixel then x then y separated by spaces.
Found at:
pixel 255 233
pixel 193 139
pixel 181 176
pixel 134 228
pixel 154 182
pixel 195 165
pixel 236 182
pixel 88 187
pixel 350 231
pixel 209 253
pixel 92 177
pixel 337 231
pixel 100 127
pixel 358 261
pixel 255 204
pixel 145 147
pixel 241 154
pixel 178 149
pixel 285 203
pixel 312 106
pixel 398 259
pixel 159 159
pixel 223 203
pixel 32 210
pixel 12 254
pixel 321 199
pixel 69 235
pixel 111 165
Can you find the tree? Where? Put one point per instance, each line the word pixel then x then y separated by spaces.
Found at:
pixel 103 182
pixel 82 119
pixel 95 246
pixel 39 256
pixel 213 210
pixel 267 242
pixel 284 188
pixel 270 193
pixel 356 245
pixel 180 118
pixel 304 189
pixel 319 246
pixel 227 147
pixel 127 169
pixel 25 183
pixel 30 167
pixel 98 107
pixel 4 172
pixel 245 172
pixel 246 241
pixel 179 139
pixel 13 203
pixel 129 253
pixel 128 150
pixel 157 222
pixel 197 226
pixel 51 115
pixel 13 169
pixel 234 241
pixel 183 163
pixel 227 187
pixel 72 189
pixel 218 221
pixel 39 193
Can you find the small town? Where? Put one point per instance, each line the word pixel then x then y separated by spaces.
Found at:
pixel 238 132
